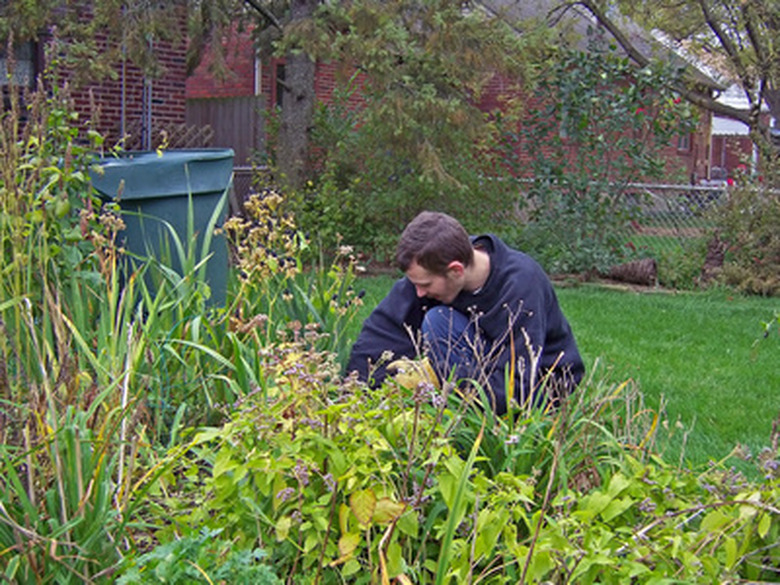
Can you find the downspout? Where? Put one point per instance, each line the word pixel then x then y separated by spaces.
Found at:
pixel 123 85
pixel 146 132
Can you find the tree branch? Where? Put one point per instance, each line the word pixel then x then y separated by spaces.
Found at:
pixel 265 13
pixel 636 55
pixel 698 98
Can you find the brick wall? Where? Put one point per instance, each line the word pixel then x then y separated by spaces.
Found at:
pixel 123 104
pixel 239 75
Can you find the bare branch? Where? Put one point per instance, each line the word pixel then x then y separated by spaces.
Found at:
pixel 265 13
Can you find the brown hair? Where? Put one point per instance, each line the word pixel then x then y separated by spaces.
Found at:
pixel 433 240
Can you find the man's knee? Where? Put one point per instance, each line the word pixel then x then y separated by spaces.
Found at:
pixel 444 323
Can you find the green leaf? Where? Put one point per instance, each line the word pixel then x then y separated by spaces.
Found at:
pixel 395 560
pixel 457 511
pixel 764 524
pixel 541 564
pixel 409 524
pixel 224 463
pixel 714 521
pixel 730 546
pixel 595 503
pixel 616 508
pixel 617 484
pixel 351 567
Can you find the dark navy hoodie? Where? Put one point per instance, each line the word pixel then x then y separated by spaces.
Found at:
pixel 516 301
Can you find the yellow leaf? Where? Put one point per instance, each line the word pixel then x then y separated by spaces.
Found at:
pixel 283 528
pixel 386 510
pixel 344 518
pixel 362 503
pixel 348 543
pixel 411 373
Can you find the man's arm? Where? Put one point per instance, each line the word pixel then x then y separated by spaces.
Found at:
pixel 392 326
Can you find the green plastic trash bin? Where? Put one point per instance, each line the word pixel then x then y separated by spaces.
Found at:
pixel 153 189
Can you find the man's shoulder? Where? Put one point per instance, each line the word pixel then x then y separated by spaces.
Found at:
pixel 401 289
pixel 503 256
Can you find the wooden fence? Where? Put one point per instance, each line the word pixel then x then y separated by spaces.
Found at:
pixel 236 123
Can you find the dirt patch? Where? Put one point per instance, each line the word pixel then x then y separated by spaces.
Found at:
pixel 686 232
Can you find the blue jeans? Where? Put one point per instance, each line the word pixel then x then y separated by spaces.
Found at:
pixel 455 352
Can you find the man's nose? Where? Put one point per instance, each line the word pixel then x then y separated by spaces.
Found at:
pixel 420 292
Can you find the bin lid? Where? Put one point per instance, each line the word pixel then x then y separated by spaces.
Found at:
pixel 150 174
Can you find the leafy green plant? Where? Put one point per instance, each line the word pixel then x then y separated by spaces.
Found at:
pixel 603 123
pixel 329 488
pixel 341 483
pixel 196 558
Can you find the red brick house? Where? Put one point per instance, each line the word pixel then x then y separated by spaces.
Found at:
pixel 248 76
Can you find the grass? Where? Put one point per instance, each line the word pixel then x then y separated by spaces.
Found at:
pixel 702 355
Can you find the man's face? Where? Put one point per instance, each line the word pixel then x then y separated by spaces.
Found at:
pixel 443 288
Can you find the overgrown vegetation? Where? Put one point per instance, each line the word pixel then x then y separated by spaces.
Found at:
pixel 600 124
pixel 748 231
pixel 150 436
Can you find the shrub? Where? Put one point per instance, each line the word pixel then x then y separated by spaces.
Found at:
pixel 748 224
pixel 598 126
pixel 339 483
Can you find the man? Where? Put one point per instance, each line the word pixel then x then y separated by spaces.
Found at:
pixel 483 313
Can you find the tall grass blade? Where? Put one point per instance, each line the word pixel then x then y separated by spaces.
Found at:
pixel 459 502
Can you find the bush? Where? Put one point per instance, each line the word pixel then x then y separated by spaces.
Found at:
pixel 748 224
pixel 597 125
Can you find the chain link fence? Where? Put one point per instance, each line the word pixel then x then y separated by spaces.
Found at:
pixel 674 225
pixel 667 217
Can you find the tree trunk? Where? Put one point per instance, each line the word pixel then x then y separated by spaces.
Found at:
pixel 297 106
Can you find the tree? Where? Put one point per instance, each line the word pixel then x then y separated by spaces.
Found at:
pixel 736 37
pixel 282 27
pixel 603 122
pixel 423 141
pixel 91 47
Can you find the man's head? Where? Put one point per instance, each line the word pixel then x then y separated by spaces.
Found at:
pixel 434 250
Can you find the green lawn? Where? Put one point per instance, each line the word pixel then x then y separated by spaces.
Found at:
pixel 703 353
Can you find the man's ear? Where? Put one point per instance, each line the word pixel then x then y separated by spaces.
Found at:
pixel 456 268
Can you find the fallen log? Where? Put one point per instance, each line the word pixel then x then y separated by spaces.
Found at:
pixel 644 272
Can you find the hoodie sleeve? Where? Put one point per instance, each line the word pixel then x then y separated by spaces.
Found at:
pixel 392 326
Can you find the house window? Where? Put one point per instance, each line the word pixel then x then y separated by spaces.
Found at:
pixel 684 143
pixel 20 70
pixel 279 86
